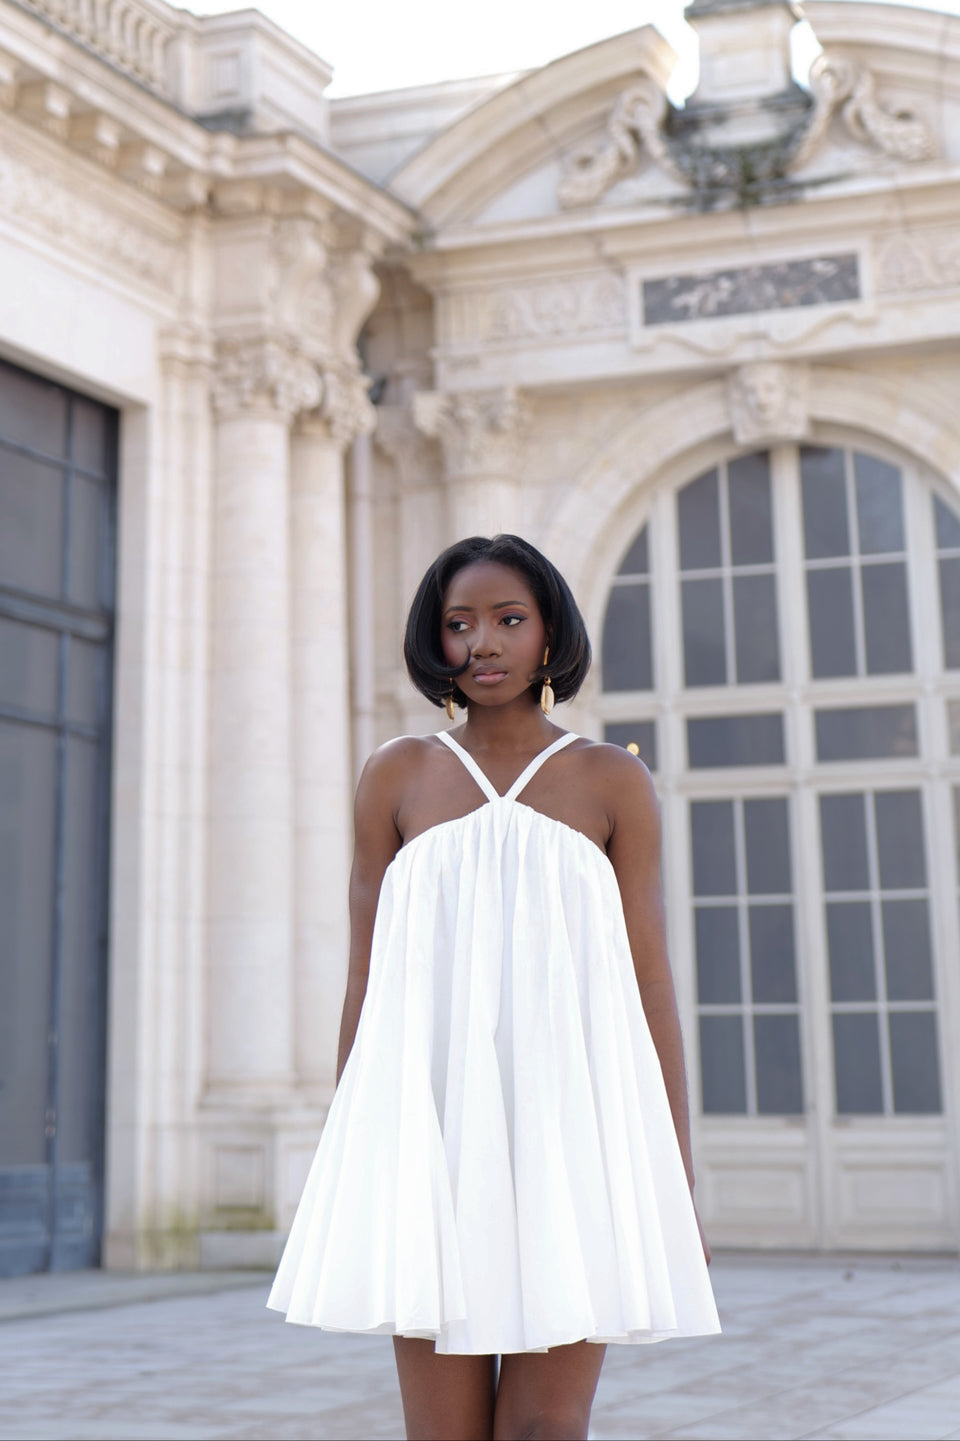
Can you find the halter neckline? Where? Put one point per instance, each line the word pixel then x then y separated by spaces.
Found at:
pixel 522 780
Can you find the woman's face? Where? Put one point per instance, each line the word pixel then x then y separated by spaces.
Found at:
pixel 491 617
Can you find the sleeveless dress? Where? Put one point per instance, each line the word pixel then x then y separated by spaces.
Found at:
pixel 499 1170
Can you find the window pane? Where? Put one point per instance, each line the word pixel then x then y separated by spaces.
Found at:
pixel 28 667
pixel 751 519
pixel 32 412
pixel 86 541
pixel 755 628
pixel 900 845
pixel 643 734
pixel 853 976
pixel 953 725
pixel 879 505
pixel 833 648
pixel 767 832
pixel 698 518
pixel 90 436
pixel 948 525
pixel 950 609
pixel 704 649
pixel 636 560
pixel 772 965
pixel 777 1047
pixel 740 740
pixel 906 946
pixel 718 955
pixel 956 825
pixel 843 833
pixel 30 537
pixel 84 677
pixel 627 656
pixel 886 618
pixel 81 996
pixel 825 528
pixel 714 857
pixel 856 1059
pixel 866 733
pixel 914 1061
pixel 722 1073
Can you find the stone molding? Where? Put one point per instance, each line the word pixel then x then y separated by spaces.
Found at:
pixel 636 126
pixel 768 402
pixel 481 432
pixel 264 375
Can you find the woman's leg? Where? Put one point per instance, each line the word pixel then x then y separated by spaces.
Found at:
pixel 445 1398
pixel 547 1394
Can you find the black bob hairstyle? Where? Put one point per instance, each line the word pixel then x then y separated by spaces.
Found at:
pixel 569 645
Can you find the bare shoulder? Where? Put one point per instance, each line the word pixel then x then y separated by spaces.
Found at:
pixel 394 766
pixel 621 779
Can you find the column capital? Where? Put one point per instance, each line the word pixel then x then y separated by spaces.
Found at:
pixel 481 431
pixel 414 454
pixel 343 409
pixel 265 376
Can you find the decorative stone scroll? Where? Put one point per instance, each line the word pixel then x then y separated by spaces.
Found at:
pixel 768 402
pixel 480 431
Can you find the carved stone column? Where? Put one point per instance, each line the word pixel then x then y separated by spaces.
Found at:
pixel 481 434
pixel 321 719
pixel 261 384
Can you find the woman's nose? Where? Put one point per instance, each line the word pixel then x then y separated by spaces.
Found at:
pixel 485 643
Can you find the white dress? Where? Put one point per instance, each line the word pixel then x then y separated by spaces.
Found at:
pixel 499 1169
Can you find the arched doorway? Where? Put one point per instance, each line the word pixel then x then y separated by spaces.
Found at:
pixel 782 641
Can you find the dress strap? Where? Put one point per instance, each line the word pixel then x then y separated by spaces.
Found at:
pixel 471 765
pixel 526 776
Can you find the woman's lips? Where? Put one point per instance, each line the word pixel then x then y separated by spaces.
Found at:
pixel 489 677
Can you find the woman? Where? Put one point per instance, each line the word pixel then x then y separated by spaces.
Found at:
pixel 505 1171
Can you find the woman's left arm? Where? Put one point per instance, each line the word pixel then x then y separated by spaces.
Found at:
pixel 634 851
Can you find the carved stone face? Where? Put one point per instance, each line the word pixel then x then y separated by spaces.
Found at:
pixel 765 390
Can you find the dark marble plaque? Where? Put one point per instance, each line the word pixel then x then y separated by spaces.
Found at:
pixel 708 294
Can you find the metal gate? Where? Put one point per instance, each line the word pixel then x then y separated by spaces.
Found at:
pixel 57 512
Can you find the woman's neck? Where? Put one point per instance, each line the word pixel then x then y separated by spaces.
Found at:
pixel 518 728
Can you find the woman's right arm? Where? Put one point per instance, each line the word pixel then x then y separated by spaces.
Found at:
pixel 376 842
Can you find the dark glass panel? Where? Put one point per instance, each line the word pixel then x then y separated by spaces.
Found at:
pixel 755 628
pixel 900 847
pixel 956 826
pixel 853 976
pixel 906 948
pixel 714 857
pixel 772 964
pixel 859 733
pixel 718 955
pixel 879 505
pixel 29 661
pixel 698 519
pixel 950 610
pixel 886 618
pixel 953 726
pixel 90 427
pixel 86 542
pixel 776 1042
pixel 739 740
pixel 722 1073
pixel 948 525
pixel 843 836
pixel 627 656
pixel 856 1060
pixel 767 830
pixel 751 518
pixel 32 412
pixel 637 560
pixel 643 734
pixel 833 649
pixel 704 647
pixel 31 535
pixel 85 677
pixel 914 1062
pixel 825 528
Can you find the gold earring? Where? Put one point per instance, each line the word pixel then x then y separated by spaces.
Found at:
pixel 450 705
pixel 547 697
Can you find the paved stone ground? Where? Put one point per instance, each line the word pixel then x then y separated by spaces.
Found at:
pixel 839 1349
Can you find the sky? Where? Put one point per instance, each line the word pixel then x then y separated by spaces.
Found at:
pixel 388 44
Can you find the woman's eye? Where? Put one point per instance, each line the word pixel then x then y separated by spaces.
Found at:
pixel 512 619
pixel 456 626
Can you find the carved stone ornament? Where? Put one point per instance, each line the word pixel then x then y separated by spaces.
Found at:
pixel 260 374
pixel 919 260
pixel 480 431
pixel 345 406
pixel 768 402
pixel 414 455
pixel 637 124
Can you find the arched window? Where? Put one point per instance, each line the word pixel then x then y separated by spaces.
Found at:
pixel 782 641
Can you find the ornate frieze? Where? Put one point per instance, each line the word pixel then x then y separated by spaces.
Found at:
pixel 263 374
pixel 541 310
pixel 741 290
pixel 481 432
pixel 768 402
pixel 918 260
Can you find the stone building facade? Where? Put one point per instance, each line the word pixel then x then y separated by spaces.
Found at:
pixel 706 358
